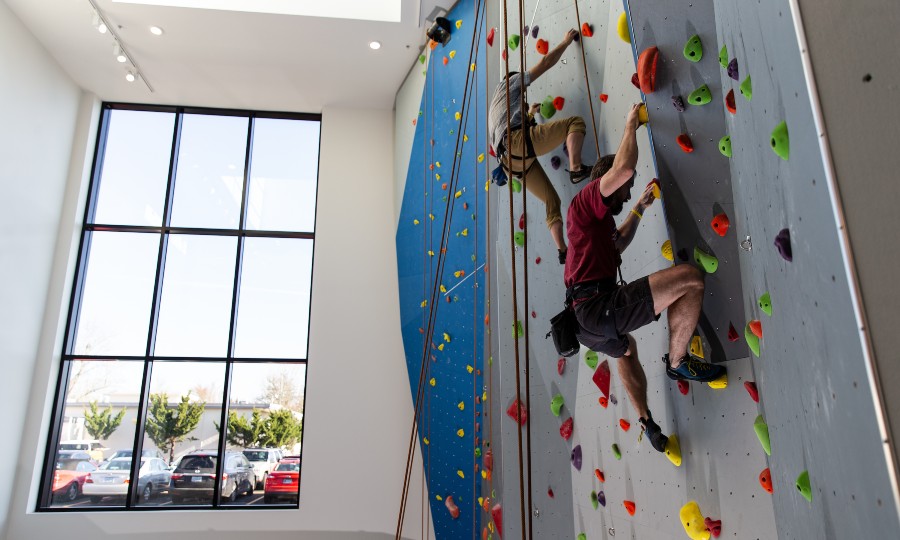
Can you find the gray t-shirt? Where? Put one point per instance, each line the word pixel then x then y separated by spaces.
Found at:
pixel 497 114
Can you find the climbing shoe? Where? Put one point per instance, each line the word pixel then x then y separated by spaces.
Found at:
pixel 562 256
pixel 691 369
pixel 654 433
pixel 579 175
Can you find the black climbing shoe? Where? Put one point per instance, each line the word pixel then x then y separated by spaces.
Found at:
pixel 693 370
pixel 654 433
pixel 562 256
pixel 578 176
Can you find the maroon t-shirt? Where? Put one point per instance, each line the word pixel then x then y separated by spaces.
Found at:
pixel 592 232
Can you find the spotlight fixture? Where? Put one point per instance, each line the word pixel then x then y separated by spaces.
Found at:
pixel 130 76
pixel 119 53
pixel 440 31
pixel 156 31
pixel 375 45
pixel 98 23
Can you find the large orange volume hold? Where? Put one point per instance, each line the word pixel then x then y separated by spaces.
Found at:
pixel 647 69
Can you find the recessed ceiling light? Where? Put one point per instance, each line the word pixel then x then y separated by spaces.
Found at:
pixel 156 31
pixel 375 45
pixel 130 77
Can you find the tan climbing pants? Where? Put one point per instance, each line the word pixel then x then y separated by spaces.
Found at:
pixel 544 138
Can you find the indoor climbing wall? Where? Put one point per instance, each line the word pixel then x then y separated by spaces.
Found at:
pixel 440 255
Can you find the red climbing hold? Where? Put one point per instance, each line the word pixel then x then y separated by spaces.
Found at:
pixel 600 476
pixel 603 402
pixel 550 492
pixel 714 526
pixel 684 387
pixel 446 60
pixel 533 315
pixel 756 328
pixel 624 424
pixel 684 141
pixel 604 97
pixel 720 224
pixel 765 480
pixel 522 221
pixel 487 319
pixel 542 46
pixel 465 206
pixel 559 102
pixel 490 37
pixel 635 81
pixel 497 514
pixel 630 507
pixel 487 461
pixel 517 412
pixel 647 69
pixel 587 30
pixel 503 54
pixel 491 152
pixel 601 377
pixel 565 430
pixel 537 261
pixel 732 333
pixel 451 507
pixel 729 102
pixel 751 388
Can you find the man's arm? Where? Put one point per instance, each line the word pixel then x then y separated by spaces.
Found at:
pixel 629 227
pixel 626 156
pixel 552 57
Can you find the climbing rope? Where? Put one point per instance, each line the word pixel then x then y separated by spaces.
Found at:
pixel 587 83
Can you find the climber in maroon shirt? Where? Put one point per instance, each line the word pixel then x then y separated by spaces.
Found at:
pixel 608 310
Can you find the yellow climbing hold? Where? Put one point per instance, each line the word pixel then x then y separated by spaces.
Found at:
pixel 643 116
pixel 458 194
pixel 458 273
pixel 415 222
pixel 484 475
pixel 622 27
pixel 484 396
pixel 692 521
pixel 443 289
pixel 487 184
pixel 470 369
pixel 458 24
pixel 471 68
pixel 673 450
pixel 480 501
pixel 480 157
pixel 460 433
pixel 438 497
pixel 667 251
pixel 461 405
pixel 466 137
pixel 697 347
pixel 452 55
pixel 446 337
pixel 460 474
pixel 431 216
pixel 432 382
pixel 424 303
pixel 464 232
pixel 720 383
pixel 430 253
pixel 457 116
pixel 426 441
pixel 441 347
pixel 437 176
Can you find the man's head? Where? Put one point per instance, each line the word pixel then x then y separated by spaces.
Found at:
pixel 616 201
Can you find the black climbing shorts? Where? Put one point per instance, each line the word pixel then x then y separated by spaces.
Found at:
pixel 604 319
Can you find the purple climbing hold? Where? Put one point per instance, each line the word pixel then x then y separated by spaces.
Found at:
pixel 577 36
pixel 525 32
pixel 555 162
pixel 678 103
pixel 613 400
pixel 601 498
pixel 783 243
pixel 534 31
pixel 565 150
pixel 733 69
pixel 576 457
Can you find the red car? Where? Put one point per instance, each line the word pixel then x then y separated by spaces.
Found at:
pixel 284 481
pixel 72 468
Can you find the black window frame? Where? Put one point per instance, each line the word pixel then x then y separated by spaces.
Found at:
pixel 44 499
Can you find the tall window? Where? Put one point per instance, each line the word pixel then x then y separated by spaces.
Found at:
pixel 188 326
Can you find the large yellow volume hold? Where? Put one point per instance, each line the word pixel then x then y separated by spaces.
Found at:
pixel 693 523
pixel 624 32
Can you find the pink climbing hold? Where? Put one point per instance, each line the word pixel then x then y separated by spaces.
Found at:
pixel 497 514
pixel 490 37
pixel 732 333
pixel 635 81
pixel 714 526
pixel 684 387
pixel 783 245
pixel 565 430
pixel 522 221
pixel 561 366
pixel 451 507
pixel 601 377
pixel 517 412
pixel 751 389
pixel 537 261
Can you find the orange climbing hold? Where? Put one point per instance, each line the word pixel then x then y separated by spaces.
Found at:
pixel 630 507
pixel 756 328
pixel 647 70
pixel 446 60
pixel 587 30
pixel 729 102
pixel 542 46
pixel 604 97
pixel 765 480
pixel 600 476
pixel 451 507
pixel 720 224
pixel 684 141
pixel 624 424
pixel 559 102
pixel 603 402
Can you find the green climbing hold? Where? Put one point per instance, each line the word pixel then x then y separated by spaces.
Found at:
pixel 762 432
pixel 516 186
pixel 709 262
pixel 781 145
pixel 547 108
pixel 616 452
pixel 517 331
pixel 802 486
pixel 477 452
pixel 591 359
pixel 693 49
pixel 556 404
pixel 421 58
pixel 519 239
pixel 700 96
pixel 725 145
pixel 582 536
pixel 747 88
pixel 594 501
pixel 752 340
pixel 514 41
pixel 765 304
pixel 723 56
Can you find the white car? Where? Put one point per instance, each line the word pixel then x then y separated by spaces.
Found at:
pixel 263 461
pixel 93 447
pixel 112 479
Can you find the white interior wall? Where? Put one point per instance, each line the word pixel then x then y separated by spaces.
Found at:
pixel 358 404
pixel 406 110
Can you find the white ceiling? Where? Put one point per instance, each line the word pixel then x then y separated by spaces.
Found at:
pixel 229 59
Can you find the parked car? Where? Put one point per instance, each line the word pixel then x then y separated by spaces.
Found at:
pixel 72 467
pixel 284 481
pixel 195 475
pixel 263 460
pixel 93 447
pixel 146 452
pixel 111 480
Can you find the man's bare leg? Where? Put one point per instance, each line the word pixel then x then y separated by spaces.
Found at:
pixel 574 142
pixel 634 379
pixel 680 290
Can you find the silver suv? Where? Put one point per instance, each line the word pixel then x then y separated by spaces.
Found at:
pixel 263 461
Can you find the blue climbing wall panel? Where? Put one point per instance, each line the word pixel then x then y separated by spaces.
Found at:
pixel 445 196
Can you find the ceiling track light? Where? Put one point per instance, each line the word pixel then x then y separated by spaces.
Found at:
pixel 98 23
pixel 121 53
pixel 130 76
